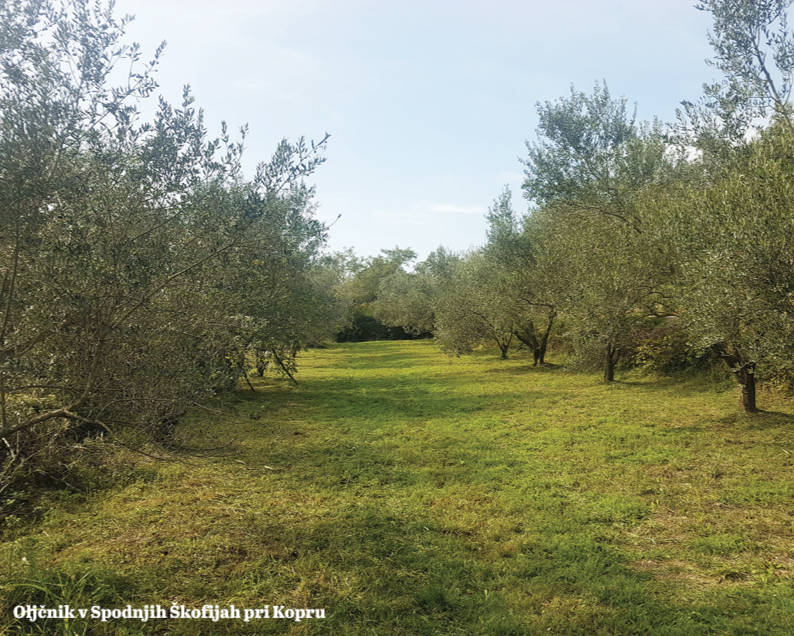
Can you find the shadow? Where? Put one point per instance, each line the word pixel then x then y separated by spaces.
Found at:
pixel 381 399
pixel 760 420
pixel 524 369
pixel 779 415
pixel 414 574
pixel 386 354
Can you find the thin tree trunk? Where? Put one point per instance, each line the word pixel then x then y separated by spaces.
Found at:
pixel 283 366
pixel 529 339
pixel 537 341
pixel 610 357
pixel 540 354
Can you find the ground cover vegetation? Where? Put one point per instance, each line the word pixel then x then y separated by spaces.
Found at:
pixel 410 493
pixel 152 294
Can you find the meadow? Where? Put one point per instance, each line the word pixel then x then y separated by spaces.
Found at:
pixel 407 492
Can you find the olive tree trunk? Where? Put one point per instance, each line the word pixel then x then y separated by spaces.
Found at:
pixel 543 342
pixel 504 345
pixel 744 370
pixel 611 354
pixel 537 341
pixel 746 378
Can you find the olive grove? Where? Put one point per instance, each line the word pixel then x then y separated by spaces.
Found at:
pixel 142 272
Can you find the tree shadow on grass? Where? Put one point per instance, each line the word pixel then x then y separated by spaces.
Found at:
pixel 376 569
pixel 380 399
pixel 383 407
pixel 682 386
pixel 760 420
pixel 525 369
pixel 389 355
pixel 413 574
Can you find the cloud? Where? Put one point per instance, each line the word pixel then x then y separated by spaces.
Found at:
pixel 423 212
pixel 403 216
pixel 452 208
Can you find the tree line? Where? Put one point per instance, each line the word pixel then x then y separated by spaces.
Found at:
pixel 643 243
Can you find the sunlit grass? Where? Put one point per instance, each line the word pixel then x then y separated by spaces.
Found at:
pixel 410 493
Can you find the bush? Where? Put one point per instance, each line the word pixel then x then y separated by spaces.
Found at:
pixel 365 327
pixel 664 348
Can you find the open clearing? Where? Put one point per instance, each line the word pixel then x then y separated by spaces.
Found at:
pixel 409 493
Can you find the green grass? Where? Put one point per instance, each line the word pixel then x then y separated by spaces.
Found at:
pixel 410 493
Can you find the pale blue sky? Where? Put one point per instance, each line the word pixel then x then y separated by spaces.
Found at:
pixel 428 103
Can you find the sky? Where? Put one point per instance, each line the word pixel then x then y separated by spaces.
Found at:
pixel 428 104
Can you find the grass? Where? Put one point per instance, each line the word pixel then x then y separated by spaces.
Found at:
pixel 409 493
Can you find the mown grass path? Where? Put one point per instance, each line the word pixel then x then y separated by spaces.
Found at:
pixel 410 493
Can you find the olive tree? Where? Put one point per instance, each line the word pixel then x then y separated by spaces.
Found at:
pixel 408 299
pixel 588 173
pixel 608 279
pixel 754 49
pixel 731 219
pixel 736 242
pixel 405 299
pixel 362 289
pixel 528 290
pixel 470 309
pixel 591 154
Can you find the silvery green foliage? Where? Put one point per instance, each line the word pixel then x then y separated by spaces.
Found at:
pixel 753 46
pixel 590 153
pixel 607 277
pixel 731 218
pixel 405 299
pixel 471 309
pixel 754 50
pixel 736 248
pixel 367 274
pixel 524 281
pixel 589 173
